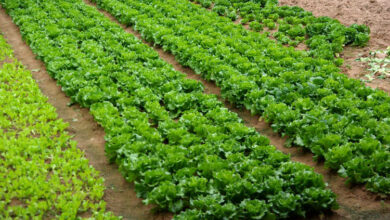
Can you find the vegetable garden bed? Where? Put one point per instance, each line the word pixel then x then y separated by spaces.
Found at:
pixel 169 150
pixel 339 119
pixel 42 172
pixel 132 108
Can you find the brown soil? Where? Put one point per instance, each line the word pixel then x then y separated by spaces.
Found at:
pixel 373 13
pixel 355 202
pixel 119 195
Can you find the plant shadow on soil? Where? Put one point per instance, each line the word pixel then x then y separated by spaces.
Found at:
pixel 373 13
pixel 355 202
pixel 119 195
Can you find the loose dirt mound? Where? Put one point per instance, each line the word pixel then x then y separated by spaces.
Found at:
pixel 119 194
pixel 373 13
pixel 355 202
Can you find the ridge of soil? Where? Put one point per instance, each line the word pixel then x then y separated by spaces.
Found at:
pixel 355 202
pixel 373 13
pixel 119 195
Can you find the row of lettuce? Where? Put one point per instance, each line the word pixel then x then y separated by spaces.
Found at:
pixel 185 152
pixel 339 119
pixel 43 175
pixel 325 36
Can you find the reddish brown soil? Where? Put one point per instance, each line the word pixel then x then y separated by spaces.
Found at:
pixel 119 195
pixel 373 13
pixel 355 202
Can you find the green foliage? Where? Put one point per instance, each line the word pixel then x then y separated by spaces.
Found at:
pixel 256 26
pixel 269 24
pixel 379 64
pixel 301 93
pixel 184 151
pixel 296 22
pixel 204 3
pixel 43 173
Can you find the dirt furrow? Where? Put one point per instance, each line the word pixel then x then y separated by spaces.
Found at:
pixel 119 195
pixel 373 13
pixel 355 202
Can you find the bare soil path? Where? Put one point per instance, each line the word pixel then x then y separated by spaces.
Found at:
pixel 119 195
pixel 356 203
pixel 373 13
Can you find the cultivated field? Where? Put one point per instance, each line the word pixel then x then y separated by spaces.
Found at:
pixel 204 109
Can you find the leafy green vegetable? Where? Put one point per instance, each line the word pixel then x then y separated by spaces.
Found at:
pixel 270 79
pixel 296 22
pixel 184 151
pixel 379 62
pixel 42 172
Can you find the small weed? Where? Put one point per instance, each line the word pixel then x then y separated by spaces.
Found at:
pixel 379 64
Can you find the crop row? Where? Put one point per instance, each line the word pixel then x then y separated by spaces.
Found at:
pixel 325 36
pixel 184 150
pixel 337 118
pixel 42 172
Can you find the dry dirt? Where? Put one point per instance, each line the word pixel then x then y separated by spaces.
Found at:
pixel 373 13
pixel 119 195
pixel 355 202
